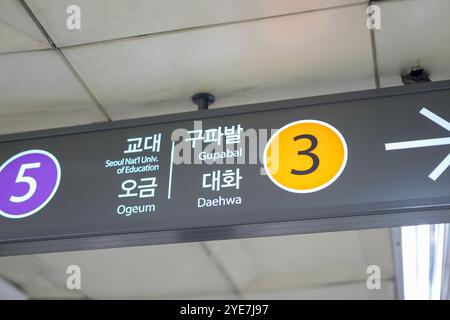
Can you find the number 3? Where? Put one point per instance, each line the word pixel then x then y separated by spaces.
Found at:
pixel 28 180
pixel 308 153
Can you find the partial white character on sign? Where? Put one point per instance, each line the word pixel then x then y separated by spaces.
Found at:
pixel 134 145
pixel 231 178
pixel 147 190
pixel 233 134
pixel 195 135
pixel 128 186
pixel 213 135
pixel 211 180
pixel 153 143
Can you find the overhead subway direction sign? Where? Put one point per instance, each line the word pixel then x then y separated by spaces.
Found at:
pixel 376 158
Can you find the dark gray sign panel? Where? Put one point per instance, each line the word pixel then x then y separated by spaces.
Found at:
pixel 376 158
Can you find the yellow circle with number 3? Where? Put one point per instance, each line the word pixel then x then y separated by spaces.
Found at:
pixel 305 156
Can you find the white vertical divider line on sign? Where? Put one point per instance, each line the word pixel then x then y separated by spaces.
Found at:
pixel 169 189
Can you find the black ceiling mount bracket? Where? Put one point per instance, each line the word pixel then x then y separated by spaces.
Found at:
pixel 203 100
pixel 417 74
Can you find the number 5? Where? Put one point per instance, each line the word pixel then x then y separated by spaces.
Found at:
pixel 28 180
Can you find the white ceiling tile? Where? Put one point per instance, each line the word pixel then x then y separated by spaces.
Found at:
pixel 10 292
pixel 35 278
pixel 136 272
pixel 412 31
pixel 37 91
pixel 341 291
pixel 18 32
pixel 112 19
pixel 376 249
pixel 303 266
pixel 317 259
pixel 288 57
pixel 235 260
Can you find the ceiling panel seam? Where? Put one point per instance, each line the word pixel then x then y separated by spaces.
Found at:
pixel 222 269
pixel 376 71
pixel 396 255
pixel 215 25
pixel 373 45
pixel 14 284
pixel 64 59
pixel 25 51
pixel 37 23
pixel 83 84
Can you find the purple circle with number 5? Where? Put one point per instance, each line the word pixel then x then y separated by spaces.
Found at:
pixel 28 181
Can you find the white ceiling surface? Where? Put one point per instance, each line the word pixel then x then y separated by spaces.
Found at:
pixel 262 60
pixel 40 92
pixel 412 31
pixel 18 32
pixel 106 19
pixel 241 51
pixel 10 292
pixel 326 266
pixel 308 50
